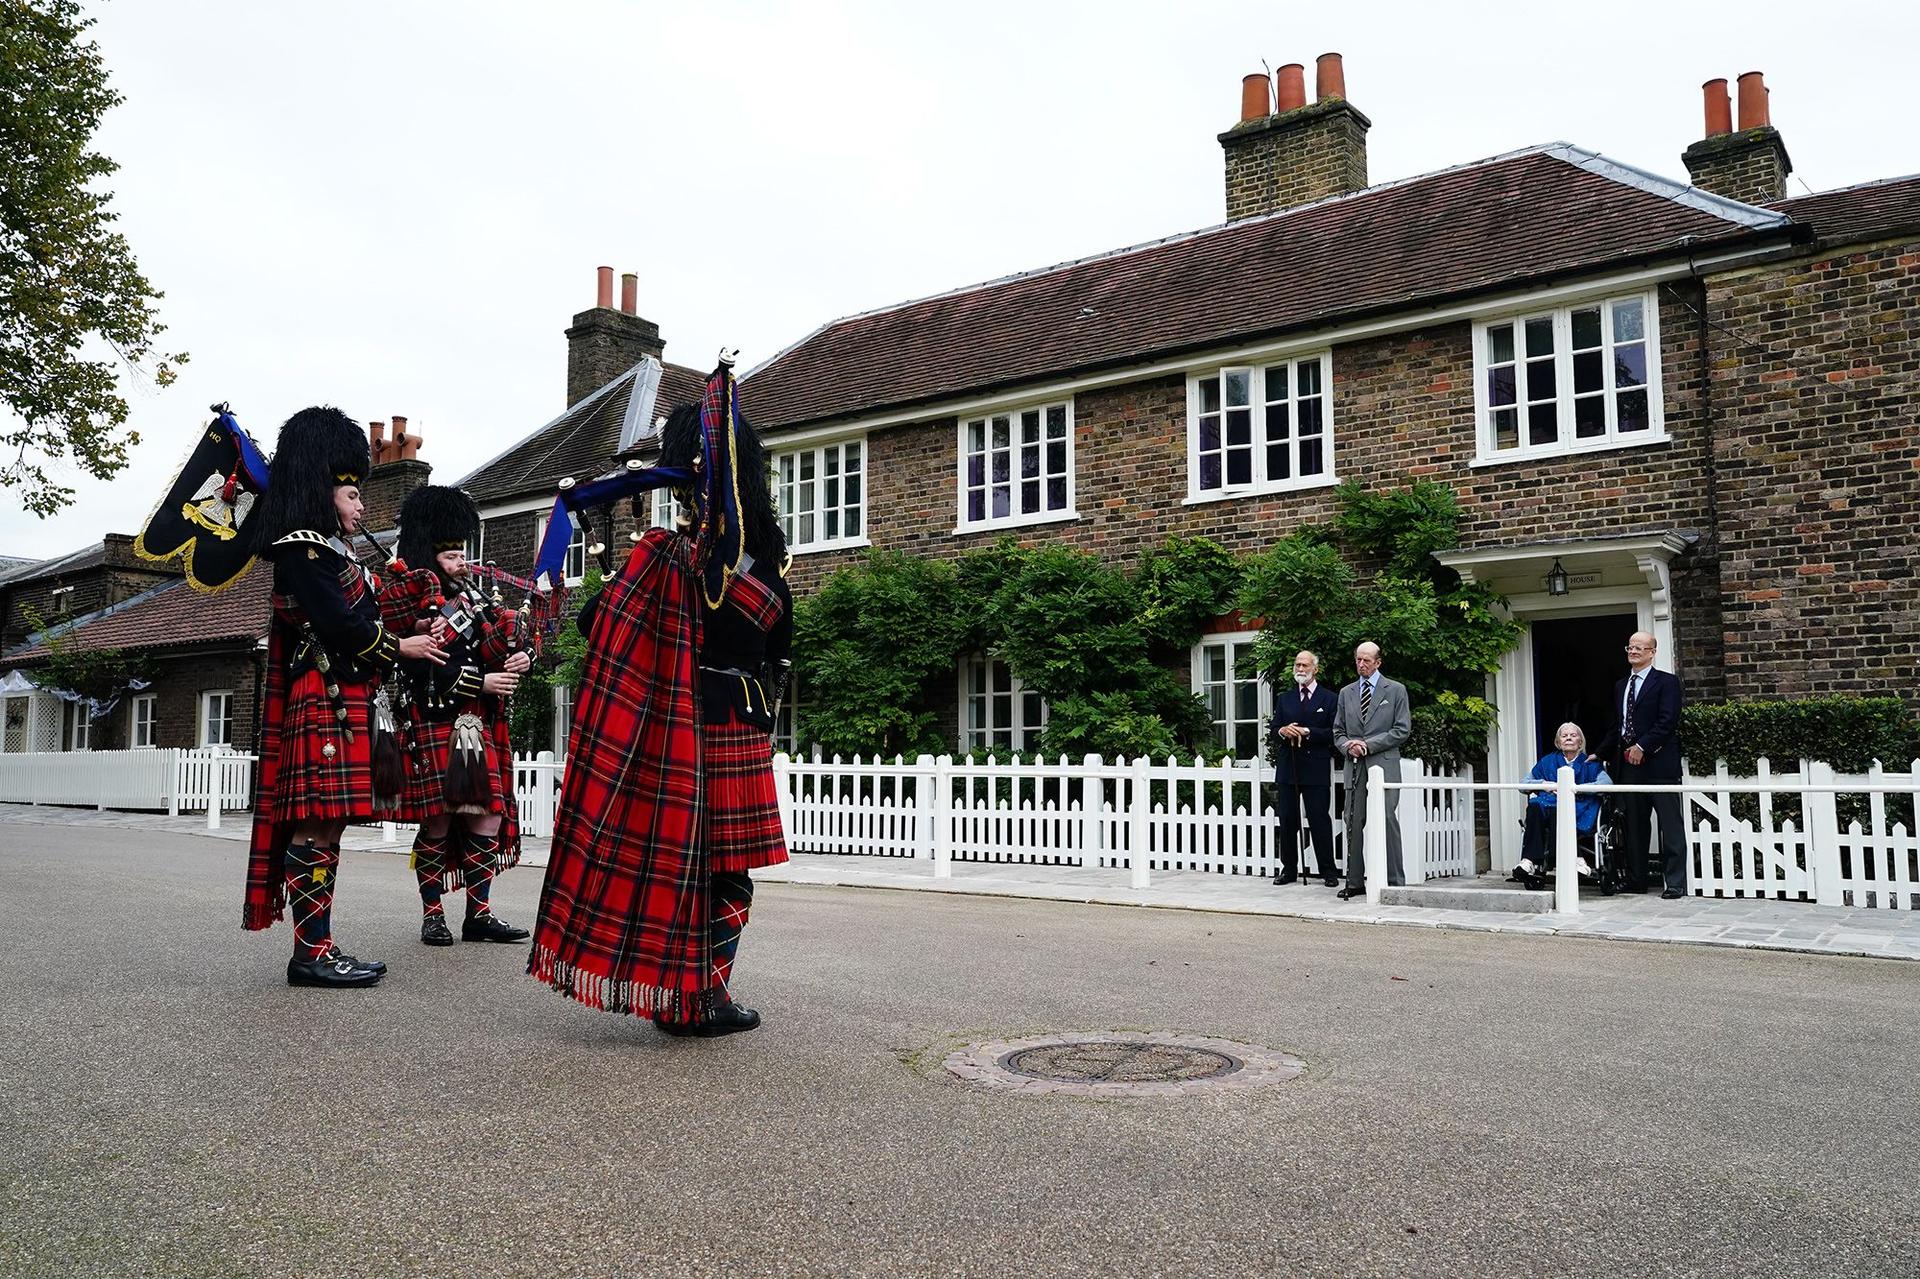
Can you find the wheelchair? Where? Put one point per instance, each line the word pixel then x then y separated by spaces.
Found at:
pixel 1598 846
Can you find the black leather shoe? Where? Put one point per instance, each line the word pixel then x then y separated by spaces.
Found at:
pixel 341 972
pixel 1286 877
pixel 1671 895
pixel 730 1020
pixel 490 927
pixel 1330 883
pixel 1346 893
pixel 371 965
pixel 434 930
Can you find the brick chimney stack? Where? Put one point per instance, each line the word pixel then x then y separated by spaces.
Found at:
pixel 397 471
pixel 1749 164
pixel 604 343
pixel 1286 151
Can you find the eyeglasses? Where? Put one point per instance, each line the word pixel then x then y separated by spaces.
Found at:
pixel 1637 648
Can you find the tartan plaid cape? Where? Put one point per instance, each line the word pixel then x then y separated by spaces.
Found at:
pixel 266 897
pixel 623 920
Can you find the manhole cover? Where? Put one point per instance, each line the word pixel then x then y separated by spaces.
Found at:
pixel 1121 1064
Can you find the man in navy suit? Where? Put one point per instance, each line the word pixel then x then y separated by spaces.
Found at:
pixel 1642 748
pixel 1302 736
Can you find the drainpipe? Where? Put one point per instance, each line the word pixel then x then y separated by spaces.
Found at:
pixel 1704 358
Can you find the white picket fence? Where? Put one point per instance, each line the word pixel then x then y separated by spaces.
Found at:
pixel 536 789
pixel 1216 818
pixel 1765 854
pixel 214 780
pixel 1138 814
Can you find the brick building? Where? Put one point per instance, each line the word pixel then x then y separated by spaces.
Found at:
pixel 204 654
pixel 1694 398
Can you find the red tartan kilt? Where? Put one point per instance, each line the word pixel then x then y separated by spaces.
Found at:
pixel 743 808
pixel 313 785
pixel 427 770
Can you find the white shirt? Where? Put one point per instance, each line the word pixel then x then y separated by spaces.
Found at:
pixel 1636 682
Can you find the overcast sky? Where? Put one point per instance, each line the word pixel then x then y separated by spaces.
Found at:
pixel 397 207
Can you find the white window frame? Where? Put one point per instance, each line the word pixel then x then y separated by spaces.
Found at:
pixel 1229 640
pixel 76 727
pixel 60 602
pixel 562 719
pixel 1260 398
pixel 1014 451
pixel 476 547
pixel 1023 737
pixel 150 703
pixel 790 487
pixel 662 507
pixel 1561 317
pixel 576 550
pixel 785 734
pixel 201 735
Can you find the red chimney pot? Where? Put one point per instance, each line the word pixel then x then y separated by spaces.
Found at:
pixel 1255 103
pixel 629 293
pixel 1292 87
pixel 1719 107
pixel 1753 102
pixel 1329 77
pixel 603 297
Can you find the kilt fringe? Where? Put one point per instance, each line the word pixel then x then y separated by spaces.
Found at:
pixel 452 880
pixel 256 915
pixel 630 998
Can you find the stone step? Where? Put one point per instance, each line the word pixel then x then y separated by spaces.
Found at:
pixel 1469 895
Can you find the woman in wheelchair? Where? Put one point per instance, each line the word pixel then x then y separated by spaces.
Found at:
pixel 1536 845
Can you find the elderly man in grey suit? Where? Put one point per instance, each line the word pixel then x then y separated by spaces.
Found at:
pixel 1370 724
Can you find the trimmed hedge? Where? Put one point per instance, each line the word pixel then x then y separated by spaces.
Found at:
pixel 1846 732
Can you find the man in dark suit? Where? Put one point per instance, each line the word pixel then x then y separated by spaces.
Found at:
pixel 1302 736
pixel 1642 748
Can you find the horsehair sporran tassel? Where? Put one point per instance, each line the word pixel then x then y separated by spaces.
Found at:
pixel 389 761
pixel 466 781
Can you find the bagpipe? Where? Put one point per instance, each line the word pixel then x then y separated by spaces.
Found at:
pixel 709 491
pixel 719 536
pixel 201 515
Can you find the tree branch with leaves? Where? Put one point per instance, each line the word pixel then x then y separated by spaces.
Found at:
pixel 75 310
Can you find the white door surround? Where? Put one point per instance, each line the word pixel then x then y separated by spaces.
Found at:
pixel 1610 575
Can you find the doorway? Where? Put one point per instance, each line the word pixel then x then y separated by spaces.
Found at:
pixel 1576 663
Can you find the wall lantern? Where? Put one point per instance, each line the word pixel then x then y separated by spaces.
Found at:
pixel 1557 579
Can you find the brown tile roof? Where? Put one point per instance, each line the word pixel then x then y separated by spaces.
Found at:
pixel 1852 215
pixel 1554 211
pixel 170 615
pixel 580 442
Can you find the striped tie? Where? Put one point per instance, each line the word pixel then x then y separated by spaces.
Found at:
pixel 1366 701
